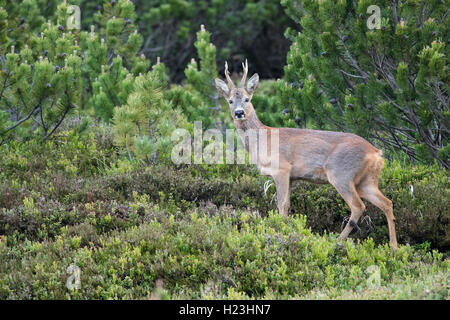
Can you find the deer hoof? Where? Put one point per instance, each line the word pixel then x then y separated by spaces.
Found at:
pixel 394 250
pixel 340 243
pixel 353 224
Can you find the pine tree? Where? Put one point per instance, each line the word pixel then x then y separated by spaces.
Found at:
pixel 198 96
pixel 4 39
pixel 389 85
pixel 120 33
pixel 143 126
pixel 40 85
pixel 202 79
pixel 20 19
pixel 269 106
pixel 111 57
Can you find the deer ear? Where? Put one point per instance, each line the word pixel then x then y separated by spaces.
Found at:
pixel 222 88
pixel 252 83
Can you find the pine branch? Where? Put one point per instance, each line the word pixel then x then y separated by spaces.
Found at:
pixel 351 60
pixel 351 75
pixel 28 116
pixel 4 84
pixel 3 62
pixel 394 11
pixel 66 111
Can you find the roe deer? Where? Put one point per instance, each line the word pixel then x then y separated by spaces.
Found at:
pixel 346 161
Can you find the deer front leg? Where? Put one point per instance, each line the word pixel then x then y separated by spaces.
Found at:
pixel 282 181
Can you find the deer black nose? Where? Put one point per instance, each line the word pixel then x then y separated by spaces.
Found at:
pixel 239 114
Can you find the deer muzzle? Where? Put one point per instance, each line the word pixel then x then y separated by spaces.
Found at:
pixel 239 114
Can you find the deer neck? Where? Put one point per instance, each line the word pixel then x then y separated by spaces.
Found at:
pixel 251 122
pixel 244 128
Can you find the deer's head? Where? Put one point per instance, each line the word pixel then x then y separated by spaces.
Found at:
pixel 239 99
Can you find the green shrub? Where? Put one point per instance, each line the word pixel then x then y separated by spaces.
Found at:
pixel 232 254
pixel 336 77
pixel 94 175
pixel 204 231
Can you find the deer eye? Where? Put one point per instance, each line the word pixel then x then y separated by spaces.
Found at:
pixel 230 101
pixel 246 99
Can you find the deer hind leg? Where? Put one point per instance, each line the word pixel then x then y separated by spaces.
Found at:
pixel 368 189
pixel 348 192
pixel 282 183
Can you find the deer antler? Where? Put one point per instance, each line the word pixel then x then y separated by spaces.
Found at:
pixel 227 75
pixel 244 77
